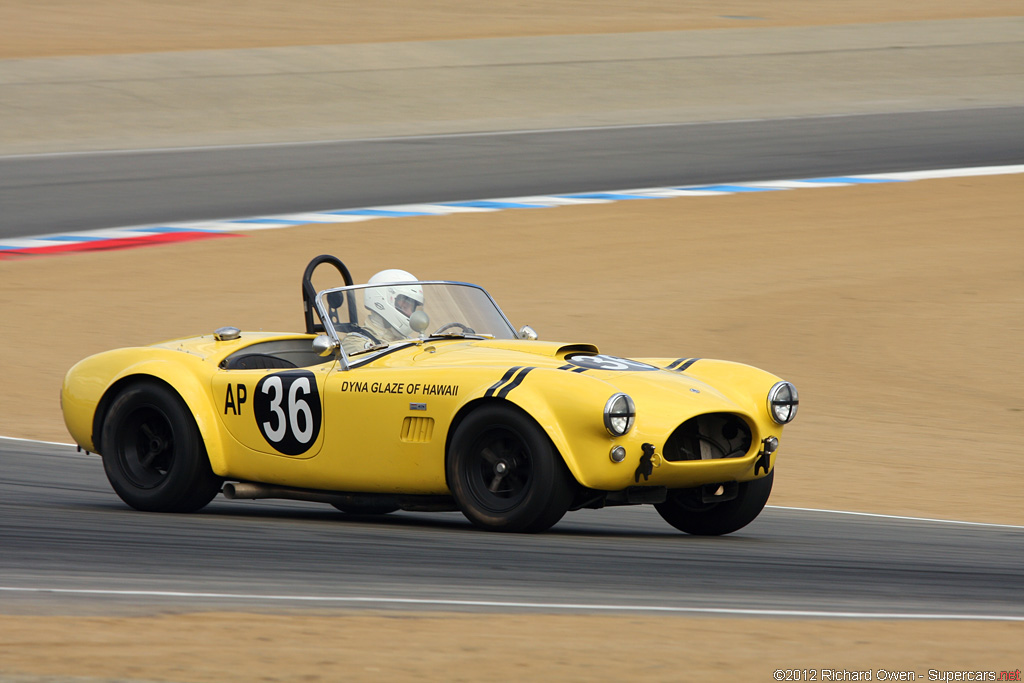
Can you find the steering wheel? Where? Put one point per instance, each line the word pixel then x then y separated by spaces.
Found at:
pixel 466 329
pixel 353 328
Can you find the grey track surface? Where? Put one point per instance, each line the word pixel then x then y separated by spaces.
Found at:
pixel 48 194
pixel 61 526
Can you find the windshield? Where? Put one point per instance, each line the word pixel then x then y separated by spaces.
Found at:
pixel 370 317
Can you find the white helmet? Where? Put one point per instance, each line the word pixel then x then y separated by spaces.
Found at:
pixel 394 303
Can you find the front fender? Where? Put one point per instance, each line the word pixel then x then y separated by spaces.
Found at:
pixel 570 408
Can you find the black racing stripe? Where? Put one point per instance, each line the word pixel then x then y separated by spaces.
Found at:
pixel 567 366
pixel 684 366
pixel 504 378
pixel 515 383
pixel 580 370
pixel 673 364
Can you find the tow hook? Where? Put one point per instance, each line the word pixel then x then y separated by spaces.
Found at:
pixel 648 461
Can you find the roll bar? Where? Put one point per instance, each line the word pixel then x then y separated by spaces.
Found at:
pixel 334 300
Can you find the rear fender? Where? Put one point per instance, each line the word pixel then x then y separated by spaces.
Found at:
pixel 186 383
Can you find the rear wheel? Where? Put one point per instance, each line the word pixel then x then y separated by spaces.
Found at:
pixel 505 473
pixel 685 510
pixel 153 454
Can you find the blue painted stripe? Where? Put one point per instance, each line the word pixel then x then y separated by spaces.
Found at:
pixel 163 229
pixel 495 204
pixel 611 196
pixel 72 238
pixel 269 221
pixel 850 180
pixel 728 188
pixel 383 213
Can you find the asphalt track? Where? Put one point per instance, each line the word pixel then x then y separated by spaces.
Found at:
pixel 71 192
pixel 61 527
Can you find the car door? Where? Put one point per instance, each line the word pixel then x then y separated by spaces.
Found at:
pixel 386 424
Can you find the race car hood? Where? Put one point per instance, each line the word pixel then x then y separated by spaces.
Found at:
pixel 687 395
pixel 651 381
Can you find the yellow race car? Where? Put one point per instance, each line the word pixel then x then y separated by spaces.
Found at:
pixel 417 395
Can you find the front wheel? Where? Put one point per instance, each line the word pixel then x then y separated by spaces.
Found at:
pixel 685 511
pixel 505 473
pixel 153 454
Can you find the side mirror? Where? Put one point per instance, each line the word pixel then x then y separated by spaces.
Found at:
pixel 528 333
pixel 419 321
pixel 324 346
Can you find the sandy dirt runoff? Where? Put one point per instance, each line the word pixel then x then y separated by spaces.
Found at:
pixel 431 647
pixel 65 27
pixel 898 311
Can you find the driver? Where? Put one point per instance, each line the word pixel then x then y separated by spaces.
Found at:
pixel 390 308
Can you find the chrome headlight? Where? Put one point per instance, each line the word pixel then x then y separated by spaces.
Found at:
pixel 783 402
pixel 619 414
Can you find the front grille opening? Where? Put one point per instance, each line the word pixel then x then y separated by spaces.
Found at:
pixel 709 437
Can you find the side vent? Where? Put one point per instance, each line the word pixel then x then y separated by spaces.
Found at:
pixel 417 429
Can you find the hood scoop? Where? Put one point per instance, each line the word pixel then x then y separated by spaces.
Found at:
pixel 539 348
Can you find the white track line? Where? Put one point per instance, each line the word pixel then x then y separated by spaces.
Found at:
pixel 899 517
pixel 48 443
pixel 549 606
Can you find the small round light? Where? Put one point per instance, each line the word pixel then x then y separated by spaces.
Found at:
pixel 617 454
pixel 619 414
pixel 783 402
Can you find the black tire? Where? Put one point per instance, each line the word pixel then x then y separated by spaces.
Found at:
pixel 366 508
pixel 153 453
pixel 536 487
pixel 685 511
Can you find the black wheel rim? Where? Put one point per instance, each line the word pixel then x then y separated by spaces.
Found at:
pixel 145 447
pixel 499 469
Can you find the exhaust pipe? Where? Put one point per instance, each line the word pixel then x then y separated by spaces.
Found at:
pixel 247 491
pixel 250 491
